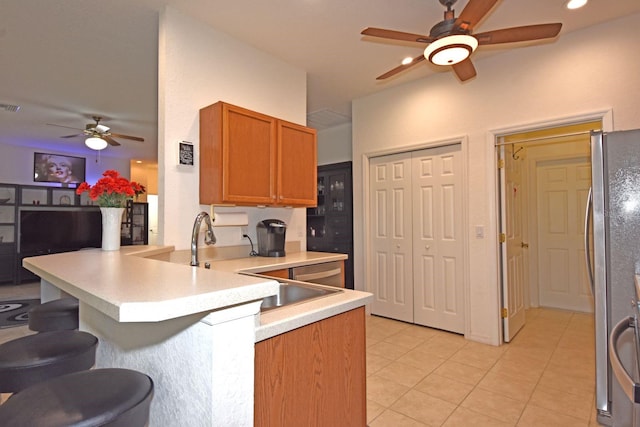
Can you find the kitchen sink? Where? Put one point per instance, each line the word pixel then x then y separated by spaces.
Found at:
pixel 293 293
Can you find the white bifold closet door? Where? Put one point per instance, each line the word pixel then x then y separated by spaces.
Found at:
pixel 416 250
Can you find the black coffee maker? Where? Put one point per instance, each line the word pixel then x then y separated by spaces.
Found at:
pixel 271 236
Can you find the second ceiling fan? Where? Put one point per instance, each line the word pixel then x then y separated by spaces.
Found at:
pixel 99 132
pixel 451 41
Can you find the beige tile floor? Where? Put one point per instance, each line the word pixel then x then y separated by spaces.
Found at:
pixel 417 376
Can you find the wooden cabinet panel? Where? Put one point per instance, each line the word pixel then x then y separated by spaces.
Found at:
pixel 314 375
pixel 296 152
pixel 248 158
pixel 237 156
pixel 282 274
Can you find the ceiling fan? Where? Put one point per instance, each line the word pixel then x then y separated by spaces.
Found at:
pixel 98 136
pixel 451 42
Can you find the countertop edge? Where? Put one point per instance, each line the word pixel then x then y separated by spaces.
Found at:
pixel 285 319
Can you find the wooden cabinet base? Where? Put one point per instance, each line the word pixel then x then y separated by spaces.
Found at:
pixel 281 274
pixel 314 375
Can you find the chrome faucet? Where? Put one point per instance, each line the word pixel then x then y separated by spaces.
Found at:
pixel 209 237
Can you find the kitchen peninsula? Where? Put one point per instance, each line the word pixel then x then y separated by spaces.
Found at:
pixel 193 330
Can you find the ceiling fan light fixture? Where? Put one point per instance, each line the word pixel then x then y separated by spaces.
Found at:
pixel 95 143
pixel 450 50
pixel 576 4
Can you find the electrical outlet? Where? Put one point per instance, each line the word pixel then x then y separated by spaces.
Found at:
pixel 244 230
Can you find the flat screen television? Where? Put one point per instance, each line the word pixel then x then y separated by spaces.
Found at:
pixel 52 231
pixel 58 168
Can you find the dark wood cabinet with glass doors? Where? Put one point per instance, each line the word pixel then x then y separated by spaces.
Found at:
pixel 330 223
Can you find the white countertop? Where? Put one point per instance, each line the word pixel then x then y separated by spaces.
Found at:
pixel 280 320
pixel 128 287
pixel 283 319
pixel 258 264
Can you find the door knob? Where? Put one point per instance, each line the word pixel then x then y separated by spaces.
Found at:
pixel 427 247
pixel 524 245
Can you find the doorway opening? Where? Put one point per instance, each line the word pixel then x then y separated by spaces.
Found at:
pixel 543 182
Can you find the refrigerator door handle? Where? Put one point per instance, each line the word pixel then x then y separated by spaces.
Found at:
pixel 629 387
pixel 587 240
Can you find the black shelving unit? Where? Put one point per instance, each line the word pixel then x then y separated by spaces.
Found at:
pixel 16 198
pixel 330 224
pixel 8 232
pixel 135 224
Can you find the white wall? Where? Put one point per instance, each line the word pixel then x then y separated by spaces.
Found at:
pixel 334 144
pixel 16 164
pixel 581 73
pixel 199 66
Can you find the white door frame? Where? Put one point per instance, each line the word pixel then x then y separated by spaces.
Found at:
pixel 605 116
pixel 464 147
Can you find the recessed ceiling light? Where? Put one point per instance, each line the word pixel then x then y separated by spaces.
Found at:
pixel 407 60
pixel 576 4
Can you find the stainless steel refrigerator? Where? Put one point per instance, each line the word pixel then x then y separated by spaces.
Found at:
pixel 613 258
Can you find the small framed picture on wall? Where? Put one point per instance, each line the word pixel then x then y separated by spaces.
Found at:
pixel 185 153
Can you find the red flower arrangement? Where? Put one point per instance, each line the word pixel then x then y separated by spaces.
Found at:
pixel 112 190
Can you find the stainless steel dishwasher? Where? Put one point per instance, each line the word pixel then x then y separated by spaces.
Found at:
pixel 327 273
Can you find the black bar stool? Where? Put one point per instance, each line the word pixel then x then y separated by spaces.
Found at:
pixel 56 315
pixel 99 397
pixel 29 360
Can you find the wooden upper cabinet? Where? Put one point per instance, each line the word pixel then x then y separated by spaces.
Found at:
pixel 297 165
pixel 251 159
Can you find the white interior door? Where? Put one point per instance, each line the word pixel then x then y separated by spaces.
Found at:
pixel 562 188
pixel 513 285
pixel 390 236
pixel 438 264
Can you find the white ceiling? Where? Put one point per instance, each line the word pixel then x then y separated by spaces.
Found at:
pixel 64 61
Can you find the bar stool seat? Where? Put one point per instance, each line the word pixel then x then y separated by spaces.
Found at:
pixel 29 360
pixel 56 315
pixel 99 397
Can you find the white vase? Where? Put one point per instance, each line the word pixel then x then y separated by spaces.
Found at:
pixel 111 223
